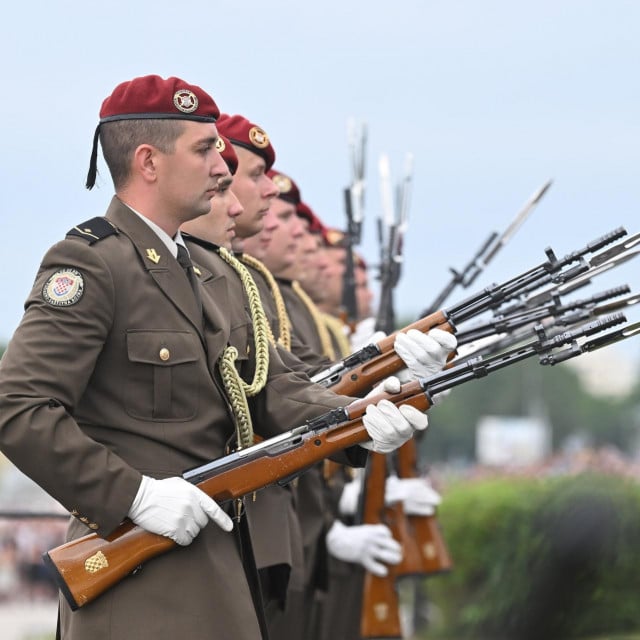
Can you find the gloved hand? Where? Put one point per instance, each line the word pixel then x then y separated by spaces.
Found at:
pixel 176 509
pixel 365 333
pixel 389 426
pixel 424 354
pixel 370 545
pixel 349 497
pixel 417 495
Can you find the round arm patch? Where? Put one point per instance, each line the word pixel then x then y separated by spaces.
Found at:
pixel 64 288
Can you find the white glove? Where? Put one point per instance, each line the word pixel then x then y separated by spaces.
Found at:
pixel 365 333
pixel 417 495
pixel 424 354
pixel 370 545
pixel 348 503
pixel 389 426
pixel 176 509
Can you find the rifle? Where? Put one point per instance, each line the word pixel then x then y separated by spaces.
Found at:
pixel 364 368
pixel 86 567
pixel 354 209
pixel 486 253
pixel 379 613
pixel 552 325
pixel 508 323
pixel 392 226
pixel 425 530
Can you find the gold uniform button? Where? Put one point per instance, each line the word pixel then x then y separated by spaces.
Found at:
pixel 164 354
pixel 93 525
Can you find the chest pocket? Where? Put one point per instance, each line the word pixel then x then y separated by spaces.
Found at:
pixel 163 375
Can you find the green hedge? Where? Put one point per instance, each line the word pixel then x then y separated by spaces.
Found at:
pixel 539 558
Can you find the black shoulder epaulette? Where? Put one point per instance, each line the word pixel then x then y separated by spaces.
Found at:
pixel 205 244
pixel 93 230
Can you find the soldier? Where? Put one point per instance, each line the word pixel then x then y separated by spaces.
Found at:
pixel 366 544
pixel 110 386
pixel 354 548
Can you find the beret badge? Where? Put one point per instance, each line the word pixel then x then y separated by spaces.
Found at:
pixel 220 145
pixel 282 182
pixel 258 138
pixel 185 101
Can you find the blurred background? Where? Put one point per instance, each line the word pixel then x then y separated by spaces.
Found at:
pixel 493 99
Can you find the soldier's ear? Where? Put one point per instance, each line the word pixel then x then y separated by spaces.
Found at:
pixel 145 162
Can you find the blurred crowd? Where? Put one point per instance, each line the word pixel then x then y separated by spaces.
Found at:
pixel 23 575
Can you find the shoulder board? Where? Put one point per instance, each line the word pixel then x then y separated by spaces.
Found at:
pixel 199 241
pixel 93 230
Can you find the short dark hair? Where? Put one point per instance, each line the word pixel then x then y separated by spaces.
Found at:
pixel 121 138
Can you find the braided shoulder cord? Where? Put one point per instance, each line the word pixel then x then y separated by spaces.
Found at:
pixel 316 314
pixel 234 386
pixel 259 321
pixel 237 389
pixel 284 324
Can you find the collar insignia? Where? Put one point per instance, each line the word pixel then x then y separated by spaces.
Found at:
pixel 153 256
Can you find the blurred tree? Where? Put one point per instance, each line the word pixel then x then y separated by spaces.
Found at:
pixel 527 389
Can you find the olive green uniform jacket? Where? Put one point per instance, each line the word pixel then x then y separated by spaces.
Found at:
pixel 123 382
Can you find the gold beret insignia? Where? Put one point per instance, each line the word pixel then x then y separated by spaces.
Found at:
pixel 282 182
pixel 334 237
pixel 185 100
pixel 258 138
pixel 220 145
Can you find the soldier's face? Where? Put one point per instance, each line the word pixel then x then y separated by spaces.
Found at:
pixel 310 261
pixel 218 225
pixel 336 264
pixel 254 189
pixel 188 178
pixel 281 252
pixel 364 295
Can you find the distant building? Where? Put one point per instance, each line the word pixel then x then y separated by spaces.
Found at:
pixel 507 441
pixel 607 372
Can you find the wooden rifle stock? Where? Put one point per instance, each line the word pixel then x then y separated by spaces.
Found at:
pixel 86 567
pixel 380 615
pixel 424 530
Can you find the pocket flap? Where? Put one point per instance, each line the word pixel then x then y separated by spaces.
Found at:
pixel 162 348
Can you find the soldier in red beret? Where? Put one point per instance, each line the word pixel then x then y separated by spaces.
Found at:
pixel 110 387
pixel 252 185
pixel 277 245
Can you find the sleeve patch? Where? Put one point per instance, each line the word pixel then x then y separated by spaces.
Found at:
pixel 64 288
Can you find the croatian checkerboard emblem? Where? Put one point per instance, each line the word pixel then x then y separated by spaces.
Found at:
pixel 64 288
pixel 96 562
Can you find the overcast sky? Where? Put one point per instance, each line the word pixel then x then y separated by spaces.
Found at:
pixel 493 99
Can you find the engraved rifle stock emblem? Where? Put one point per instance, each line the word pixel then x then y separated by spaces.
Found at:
pixel 381 611
pixel 429 550
pixel 94 563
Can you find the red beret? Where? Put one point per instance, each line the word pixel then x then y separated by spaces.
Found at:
pixel 245 134
pixel 155 97
pixel 288 189
pixel 304 211
pixel 228 153
pixel 152 97
pixel 334 237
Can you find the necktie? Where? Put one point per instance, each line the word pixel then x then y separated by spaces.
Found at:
pixel 185 262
